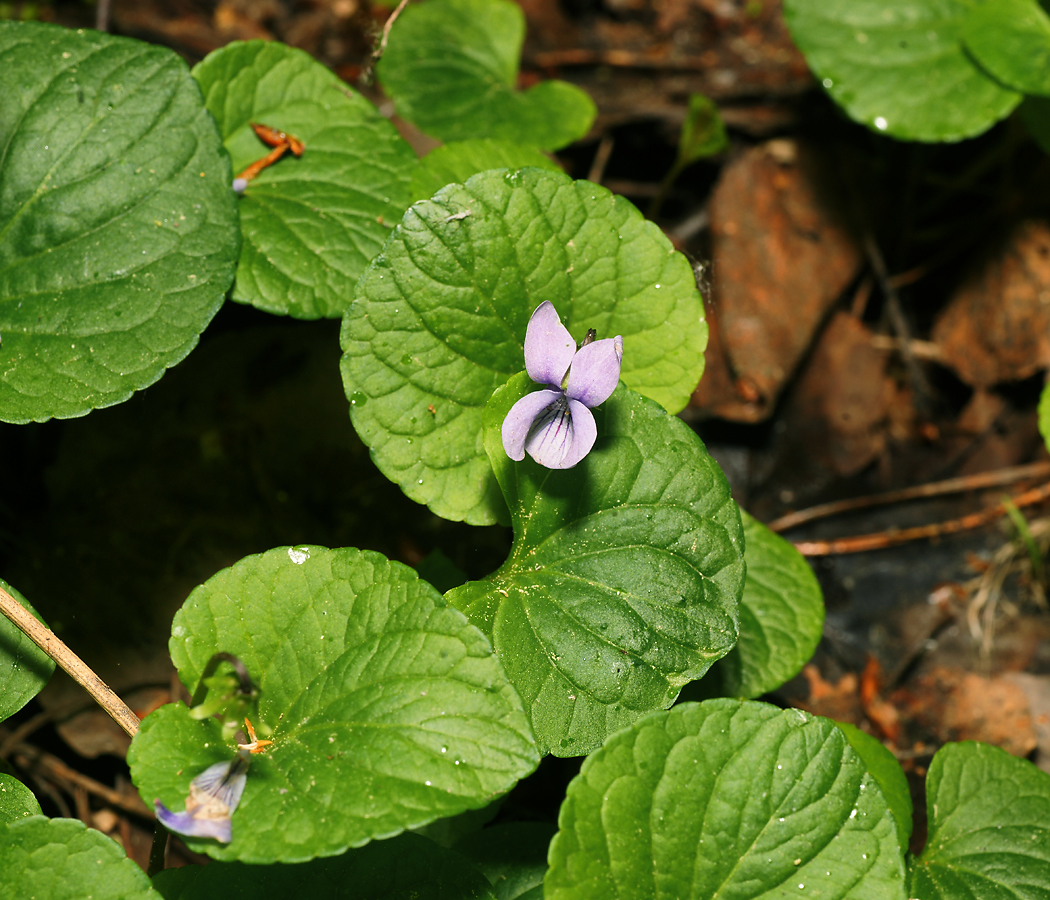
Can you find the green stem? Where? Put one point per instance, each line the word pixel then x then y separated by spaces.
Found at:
pixel 158 851
pixel 247 686
pixel 1034 556
pixel 669 179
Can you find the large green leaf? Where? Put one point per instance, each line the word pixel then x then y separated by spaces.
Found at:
pixel 989 831
pixel 454 163
pixel 781 618
pixel 725 799
pixel 118 228
pixel 407 867
pixel 899 66
pixel 451 68
pixel 386 708
pixel 623 582
pixel 440 316
pixel 62 859
pixel 16 800
pixel 24 667
pixel 1011 39
pixel 310 224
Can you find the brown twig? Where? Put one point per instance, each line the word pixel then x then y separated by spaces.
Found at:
pixel 47 767
pixel 625 59
pixel 381 49
pixel 102 15
pixel 882 539
pixel 45 639
pixel 896 316
pixel 926 350
pixel 601 159
pixel 981 480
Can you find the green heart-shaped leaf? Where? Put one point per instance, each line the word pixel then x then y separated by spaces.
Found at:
pixel 62 859
pixel 454 163
pixel 989 831
pixel 1011 39
pixel 407 867
pixel 623 582
pixel 118 228
pixel 898 66
pixel 725 799
pixel 451 68
pixel 16 800
pixel 310 224
pixel 439 320
pixel 386 708
pixel 781 618
pixel 24 667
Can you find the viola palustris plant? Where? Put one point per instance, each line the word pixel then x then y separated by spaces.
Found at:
pixel 384 705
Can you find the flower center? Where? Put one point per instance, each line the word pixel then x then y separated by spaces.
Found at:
pixel 551 428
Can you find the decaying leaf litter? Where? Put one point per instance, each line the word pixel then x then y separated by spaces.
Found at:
pixel 878 318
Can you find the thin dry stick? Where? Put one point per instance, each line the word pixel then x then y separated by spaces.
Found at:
pixel 601 158
pixel 896 317
pixel 990 583
pixel 553 59
pixel 883 539
pixel 386 30
pixel 49 767
pixel 78 670
pixel 102 16
pixel 981 480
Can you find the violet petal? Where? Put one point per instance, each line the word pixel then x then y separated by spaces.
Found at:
pixel 214 795
pixel 186 824
pixel 549 348
pixel 595 371
pixel 562 435
pixel 518 423
pixel 222 783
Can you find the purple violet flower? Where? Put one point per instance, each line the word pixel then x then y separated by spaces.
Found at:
pixel 555 425
pixel 214 795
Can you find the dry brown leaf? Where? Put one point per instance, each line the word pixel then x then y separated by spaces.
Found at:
pixel 780 261
pixel 997 326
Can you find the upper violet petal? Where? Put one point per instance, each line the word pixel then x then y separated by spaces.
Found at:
pixel 549 347
pixel 221 785
pixel 518 423
pixel 595 371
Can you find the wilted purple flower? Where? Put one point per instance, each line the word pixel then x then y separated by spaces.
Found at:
pixel 214 795
pixel 555 425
